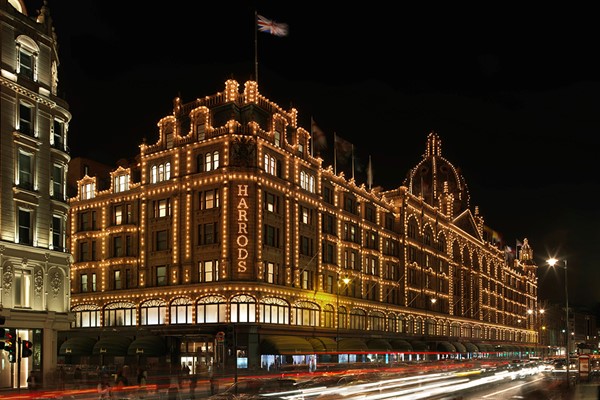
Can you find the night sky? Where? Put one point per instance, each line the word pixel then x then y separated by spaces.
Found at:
pixel 512 92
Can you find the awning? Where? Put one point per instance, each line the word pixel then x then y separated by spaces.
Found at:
pixel 471 348
pixel 446 347
pixel 379 345
pixel 459 347
pixel 418 345
pixel 351 344
pixel 485 347
pixel 276 344
pixel 151 346
pixel 402 345
pixel 112 346
pixel 322 343
pixel 77 346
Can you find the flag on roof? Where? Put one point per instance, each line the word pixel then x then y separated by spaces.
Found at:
pixel 318 136
pixel 272 27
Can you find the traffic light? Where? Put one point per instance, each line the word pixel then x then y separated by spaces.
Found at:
pixel 26 348
pixel 10 344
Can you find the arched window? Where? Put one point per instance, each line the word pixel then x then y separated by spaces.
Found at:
pixel 181 311
pixel 153 312
pixel 342 317
pixel 86 316
pixel 274 311
pixel 358 319
pixel 120 314
pixel 392 323
pixel 306 314
pixel 243 308
pixel 377 321
pixel 211 309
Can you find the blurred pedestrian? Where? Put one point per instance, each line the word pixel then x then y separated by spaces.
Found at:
pixel 77 377
pixel 32 381
pixel 104 388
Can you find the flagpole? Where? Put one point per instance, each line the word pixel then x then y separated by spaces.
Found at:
pixel 256 46
pixel 370 173
pixel 352 161
pixel 312 137
pixel 334 154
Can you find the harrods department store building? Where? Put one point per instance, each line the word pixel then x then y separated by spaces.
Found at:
pixel 228 239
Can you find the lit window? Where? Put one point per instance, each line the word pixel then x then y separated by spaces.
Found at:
pixel 84 283
pixel 88 191
pixel 121 183
pixel 23 286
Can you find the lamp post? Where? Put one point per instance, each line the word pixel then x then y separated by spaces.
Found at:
pixel 345 280
pixel 552 262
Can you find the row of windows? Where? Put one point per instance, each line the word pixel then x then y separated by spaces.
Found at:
pixel 25 179
pixel 25 229
pixel 213 309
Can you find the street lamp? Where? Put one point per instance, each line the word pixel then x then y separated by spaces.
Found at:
pixel 345 280
pixel 552 262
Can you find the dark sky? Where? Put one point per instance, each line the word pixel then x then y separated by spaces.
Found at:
pixel 512 92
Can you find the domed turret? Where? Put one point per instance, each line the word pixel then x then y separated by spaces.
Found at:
pixel 437 181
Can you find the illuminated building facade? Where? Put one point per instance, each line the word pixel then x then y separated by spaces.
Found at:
pixel 34 262
pixel 236 241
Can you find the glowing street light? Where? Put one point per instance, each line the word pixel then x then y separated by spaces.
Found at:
pixel 552 262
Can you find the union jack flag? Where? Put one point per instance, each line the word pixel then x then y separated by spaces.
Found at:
pixel 272 27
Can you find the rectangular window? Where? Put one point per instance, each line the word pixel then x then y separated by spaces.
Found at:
pixel 26 63
pixel 93 282
pixel 208 271
pixel 94 257
pixel 271 236
pixel 25 119
pixel 128 214
pixel 118 215
pixel 88 191
pixel 328 252
pixel 83 252
pixel 306 246
pixel 270 272
pixel 84 283
pixel 210 233
pixel 162 240
pixel 162 208
pixel 57 233
pixel 329 224
pixel 209 199
pixel 58 134
pixel 271 203
pixel 23 286
pixel 117 246
pixel 25 171
pixel 25 231
pixel 161 276
pixel 57 182
pixel 121 183
pixel 128 245
pixel 305 215
pixel 117 280
pixel 327 194
pixel 306 280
